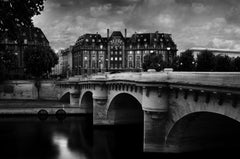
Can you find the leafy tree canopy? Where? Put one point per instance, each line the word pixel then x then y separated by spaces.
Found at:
pixel 236 64
pixel 16 14
pixel 8 59
pixel 186 61
pixel 153 61
pixel 222 63
pixel 205 61
pixel 39 60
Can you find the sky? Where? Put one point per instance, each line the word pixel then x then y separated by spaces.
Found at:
pixel 192 23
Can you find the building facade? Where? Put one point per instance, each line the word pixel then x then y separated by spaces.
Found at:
pixel 29 37
pixel 223 52
pixel 93 53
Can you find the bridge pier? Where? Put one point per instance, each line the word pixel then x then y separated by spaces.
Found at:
pixel 155 107
pixel 100 97
pixel 154 131
pixel 74 97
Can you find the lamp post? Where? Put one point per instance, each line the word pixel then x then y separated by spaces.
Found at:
pixel 168 60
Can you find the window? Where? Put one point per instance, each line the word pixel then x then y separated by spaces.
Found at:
pixel 25 41
pixel 116 59
pixel 130 64
pixel 111 52
pixel 138 61
pixel 111 58
pixel 93 64
pixel 120 58
pixel 120 52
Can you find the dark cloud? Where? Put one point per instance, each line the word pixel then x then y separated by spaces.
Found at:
pixel 192 23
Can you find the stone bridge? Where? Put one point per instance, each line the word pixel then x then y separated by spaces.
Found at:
pixel 178 110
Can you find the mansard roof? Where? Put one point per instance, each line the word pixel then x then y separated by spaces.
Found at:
pixel 30 34
pixel 136 39
pixel 89 39
pixel 116 34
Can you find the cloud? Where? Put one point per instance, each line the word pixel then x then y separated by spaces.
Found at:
pixel 192 23
pixel 102 10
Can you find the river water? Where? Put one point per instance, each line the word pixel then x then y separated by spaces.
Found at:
pixel 73 137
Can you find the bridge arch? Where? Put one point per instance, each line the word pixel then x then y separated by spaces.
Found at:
pixel 206 131
pixel 86 101
pixel 65 97
pixel 125 108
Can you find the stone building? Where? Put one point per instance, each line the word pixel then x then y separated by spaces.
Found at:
pixel 117 52
pixel 223 52
pixel 67 61
pixel 29 37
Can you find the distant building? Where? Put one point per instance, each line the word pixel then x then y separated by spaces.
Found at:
pixel 93 53
pixel 29 37
pixel 67 61
pixel 230 53
pixel 64 66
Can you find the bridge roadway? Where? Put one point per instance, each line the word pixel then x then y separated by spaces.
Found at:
pixel 174 107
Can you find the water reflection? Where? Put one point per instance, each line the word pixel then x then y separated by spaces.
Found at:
pixel 61 142
pixel 28 137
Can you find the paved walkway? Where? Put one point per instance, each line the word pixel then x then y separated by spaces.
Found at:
pixel 33 107
pixel 31 103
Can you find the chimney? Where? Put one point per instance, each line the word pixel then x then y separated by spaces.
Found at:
pixel 107 33
pixel 125 32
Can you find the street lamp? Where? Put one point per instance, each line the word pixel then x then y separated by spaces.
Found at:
pixel 168 52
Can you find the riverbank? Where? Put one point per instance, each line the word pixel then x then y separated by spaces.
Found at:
pixel 33 107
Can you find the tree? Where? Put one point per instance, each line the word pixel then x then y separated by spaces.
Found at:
pixel 175 63
pixel 39 61
pixel 236 64
pixel 2 71
pixel 222 63
pixel 8 62
pixel 186 61
pixel 153 61
pixel 16 14
pixel 205 61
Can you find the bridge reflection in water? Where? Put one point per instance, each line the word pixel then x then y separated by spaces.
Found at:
pixel 27 137
pixel 75 137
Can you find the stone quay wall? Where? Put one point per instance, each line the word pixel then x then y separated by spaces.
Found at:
pixel 26 90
